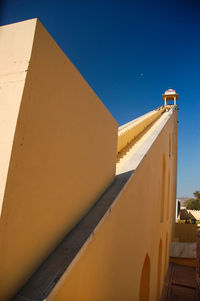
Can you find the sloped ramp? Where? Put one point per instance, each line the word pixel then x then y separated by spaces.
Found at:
pixel 68 252
pixel 44 279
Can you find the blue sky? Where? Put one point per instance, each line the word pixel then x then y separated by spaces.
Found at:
pixel 130 52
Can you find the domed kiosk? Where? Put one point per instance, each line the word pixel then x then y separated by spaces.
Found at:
pixel 170 94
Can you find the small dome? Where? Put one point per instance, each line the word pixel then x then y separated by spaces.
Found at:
pixel 170 91
pixel 170 94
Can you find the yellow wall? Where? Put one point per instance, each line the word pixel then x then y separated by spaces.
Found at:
pixel 113 262
pixel 63 153
pixel 185 232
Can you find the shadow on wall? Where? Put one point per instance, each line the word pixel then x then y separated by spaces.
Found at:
pixel 72 243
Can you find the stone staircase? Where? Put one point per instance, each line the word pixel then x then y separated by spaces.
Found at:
pixel 138 139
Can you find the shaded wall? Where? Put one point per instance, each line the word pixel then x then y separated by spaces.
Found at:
pixel 185 232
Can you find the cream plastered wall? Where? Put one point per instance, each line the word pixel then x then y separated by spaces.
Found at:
pixel 110 266
pixel 63 145
pixel 14 61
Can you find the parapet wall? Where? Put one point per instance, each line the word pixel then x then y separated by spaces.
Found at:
pixel 126 257
pixel 60 144
pixel 185 232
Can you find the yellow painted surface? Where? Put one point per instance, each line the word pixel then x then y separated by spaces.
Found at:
pixel 186 232
pixel 112 264
pixel 58 150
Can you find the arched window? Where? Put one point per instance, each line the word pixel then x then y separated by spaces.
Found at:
pixel 163 189
pixel 159 271
pixel 145 280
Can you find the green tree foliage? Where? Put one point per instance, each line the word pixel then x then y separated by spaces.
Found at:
pixel 197 194
pixel 194 204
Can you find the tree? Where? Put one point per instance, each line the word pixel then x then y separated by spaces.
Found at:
pixel 197 194
pixel 194 204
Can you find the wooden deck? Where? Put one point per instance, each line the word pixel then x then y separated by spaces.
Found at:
pixel 180 283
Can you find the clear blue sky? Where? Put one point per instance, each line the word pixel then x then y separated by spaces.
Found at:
pixel 130 52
